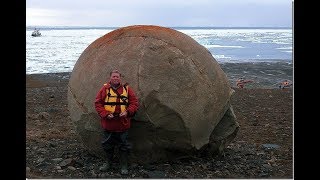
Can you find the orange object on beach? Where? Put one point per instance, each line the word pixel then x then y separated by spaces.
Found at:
pixel 285 84
pixel 241 82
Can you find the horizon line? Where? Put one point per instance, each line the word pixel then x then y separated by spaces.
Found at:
pixel 116 27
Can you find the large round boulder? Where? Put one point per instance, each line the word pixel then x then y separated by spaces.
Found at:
pixel 184 96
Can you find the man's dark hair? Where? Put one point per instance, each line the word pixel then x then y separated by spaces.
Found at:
pixel 115 71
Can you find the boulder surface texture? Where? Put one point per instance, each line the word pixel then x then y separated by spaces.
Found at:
pixel 184 95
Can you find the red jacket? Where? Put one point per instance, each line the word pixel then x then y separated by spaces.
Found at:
pixel 116 124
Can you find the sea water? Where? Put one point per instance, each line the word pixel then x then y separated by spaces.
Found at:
pixel 58 49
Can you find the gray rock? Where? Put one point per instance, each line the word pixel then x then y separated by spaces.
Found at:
pixel 184 95
pixel 270 146
pixel 57 160
pixel 67 162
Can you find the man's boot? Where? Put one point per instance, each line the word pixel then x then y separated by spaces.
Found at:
pixel 124 162
pixel 106 166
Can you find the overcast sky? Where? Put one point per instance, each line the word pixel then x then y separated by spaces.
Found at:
pixel 169 13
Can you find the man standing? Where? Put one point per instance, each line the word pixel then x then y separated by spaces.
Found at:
pixel 116 103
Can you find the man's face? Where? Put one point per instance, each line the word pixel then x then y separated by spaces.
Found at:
pixel 115 78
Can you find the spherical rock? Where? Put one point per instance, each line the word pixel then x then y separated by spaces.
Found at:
pixel 184 96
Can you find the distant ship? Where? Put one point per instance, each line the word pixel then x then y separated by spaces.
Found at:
pixel 36 33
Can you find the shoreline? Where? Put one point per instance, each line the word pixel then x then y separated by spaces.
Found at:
pixel 266 75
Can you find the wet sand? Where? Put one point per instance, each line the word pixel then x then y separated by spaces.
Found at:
pixel 265 75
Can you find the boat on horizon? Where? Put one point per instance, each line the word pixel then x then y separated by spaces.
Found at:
pixel 36 33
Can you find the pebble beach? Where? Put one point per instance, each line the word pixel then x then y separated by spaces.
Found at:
pixel 263 147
